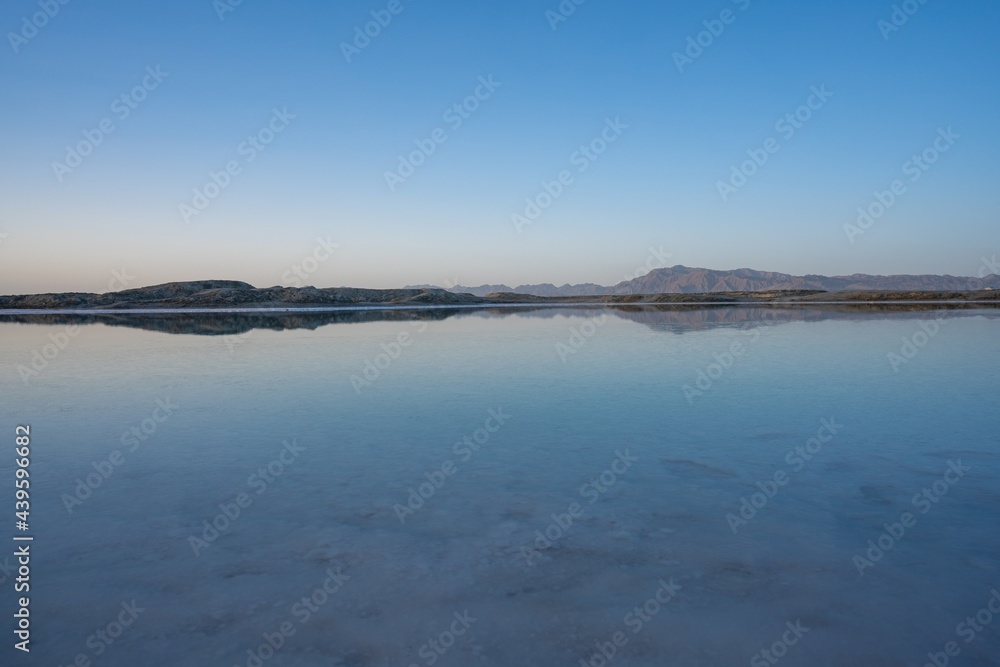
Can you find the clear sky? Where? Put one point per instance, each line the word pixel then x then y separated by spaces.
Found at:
pixel 207 85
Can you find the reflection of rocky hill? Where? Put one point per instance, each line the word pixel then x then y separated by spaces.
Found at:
pixel 681 320
pixel 223 324
pixel 698 319
pixel 676 319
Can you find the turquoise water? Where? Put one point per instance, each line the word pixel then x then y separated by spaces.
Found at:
pixel 550 487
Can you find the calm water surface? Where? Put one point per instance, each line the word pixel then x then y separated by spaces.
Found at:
pixel 536 488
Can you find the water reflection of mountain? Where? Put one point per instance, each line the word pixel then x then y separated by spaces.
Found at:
pixel 683 320
pixel 227 324
pixel 677 319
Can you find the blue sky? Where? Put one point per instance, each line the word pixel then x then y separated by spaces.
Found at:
pixel 222 75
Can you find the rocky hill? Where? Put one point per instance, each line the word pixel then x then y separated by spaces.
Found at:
pixel 233 294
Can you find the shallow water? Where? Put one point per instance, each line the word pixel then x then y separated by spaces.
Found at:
pixel 550 401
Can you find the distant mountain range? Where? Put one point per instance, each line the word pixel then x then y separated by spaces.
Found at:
pixel 683 280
